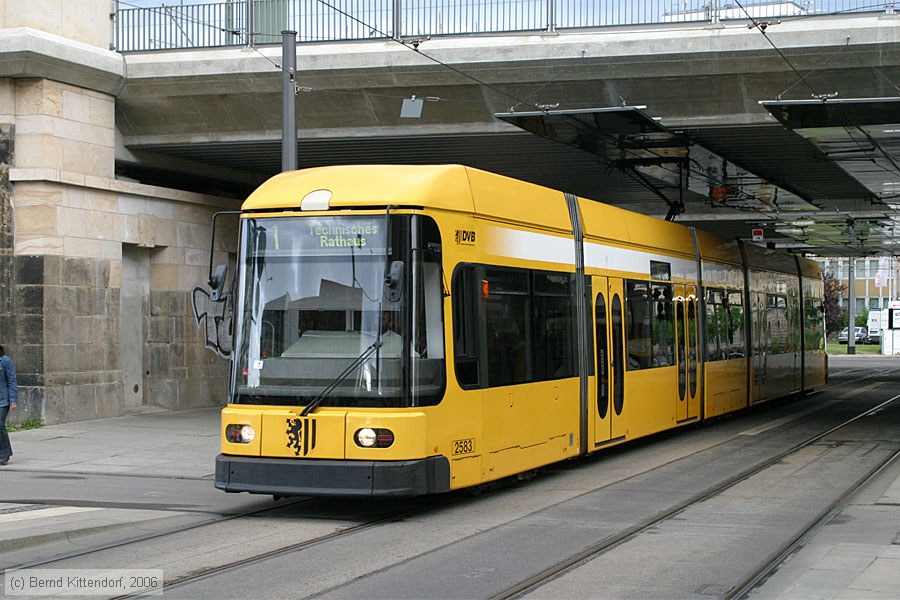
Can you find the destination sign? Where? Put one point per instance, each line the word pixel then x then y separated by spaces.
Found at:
pixel 344 236
pixel 298 236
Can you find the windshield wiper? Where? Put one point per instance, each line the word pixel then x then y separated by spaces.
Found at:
pixel 342 376
pixel 376 345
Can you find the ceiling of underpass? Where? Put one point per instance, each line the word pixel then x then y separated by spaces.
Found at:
pixel 817 176
pixel 822 181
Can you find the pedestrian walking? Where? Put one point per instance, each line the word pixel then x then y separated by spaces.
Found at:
pixel 9 393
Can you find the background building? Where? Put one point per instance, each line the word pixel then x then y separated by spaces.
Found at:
pixel 875 279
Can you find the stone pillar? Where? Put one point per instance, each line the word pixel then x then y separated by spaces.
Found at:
pixel 62 261
pixel 64 219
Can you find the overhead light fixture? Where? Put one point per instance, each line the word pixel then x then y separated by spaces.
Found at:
pixel 412 107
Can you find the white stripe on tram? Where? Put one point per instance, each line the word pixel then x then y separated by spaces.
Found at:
pixel 530 245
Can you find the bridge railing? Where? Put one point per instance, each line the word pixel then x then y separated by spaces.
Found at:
pixel 197 24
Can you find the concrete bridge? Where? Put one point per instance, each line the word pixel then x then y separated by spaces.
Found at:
pixel 221 107
pixel 113 162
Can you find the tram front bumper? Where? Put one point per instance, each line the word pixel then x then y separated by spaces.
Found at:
pixel 310 477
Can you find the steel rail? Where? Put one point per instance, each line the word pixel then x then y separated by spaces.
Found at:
pixel 608 543
pixel 178 581
pixel 535 581
pixel 208 572
pixel 769 566
pixel 611 542
pixel 154 535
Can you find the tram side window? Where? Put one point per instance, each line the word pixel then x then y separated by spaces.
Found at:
pixel 512 326
pixel 776 324
pixel 637 325
pixel 507 328
pixel 814 327
pixel 724 325
pixel 553 326
pixel 735 325
pixel 465 326
pixel 793 322
pixel 663 326
pixel 649 326
pixel 716 332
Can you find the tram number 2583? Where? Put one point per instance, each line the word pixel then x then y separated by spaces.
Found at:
pixel 463 446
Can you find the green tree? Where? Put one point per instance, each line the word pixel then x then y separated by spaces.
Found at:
pixel 834 290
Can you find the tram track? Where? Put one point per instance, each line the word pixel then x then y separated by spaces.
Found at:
pixel 218 519
pixel 203 573
pixel 832 385
pixel 93 552
pixel 344 538
pixel 176 582
pixel 743 589
pixel 522 588
pixel 59 560
pixel 769 565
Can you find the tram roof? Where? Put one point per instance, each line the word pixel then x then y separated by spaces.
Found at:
pixel 443 186
pixel 469 190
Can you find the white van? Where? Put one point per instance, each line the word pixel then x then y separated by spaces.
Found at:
pixel 876 318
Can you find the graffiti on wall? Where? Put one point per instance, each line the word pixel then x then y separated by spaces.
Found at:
pixel 217 316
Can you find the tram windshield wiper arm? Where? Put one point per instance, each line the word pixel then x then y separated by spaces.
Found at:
pixel 376 345
pixel 342 376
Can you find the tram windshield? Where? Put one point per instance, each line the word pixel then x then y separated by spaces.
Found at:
pixel 344 311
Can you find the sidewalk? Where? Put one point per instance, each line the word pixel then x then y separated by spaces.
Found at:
pixel 165 444
pixel 177 446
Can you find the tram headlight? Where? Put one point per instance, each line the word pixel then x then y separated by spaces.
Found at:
pixel 366 437
pixel 374 438
pixel 239 433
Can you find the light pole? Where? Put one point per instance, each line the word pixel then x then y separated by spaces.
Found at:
pixel 288 101
pixel 851 326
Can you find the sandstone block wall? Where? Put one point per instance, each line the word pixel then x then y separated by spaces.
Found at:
pixel 72 239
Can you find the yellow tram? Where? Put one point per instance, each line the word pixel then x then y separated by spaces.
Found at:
pixel 404 330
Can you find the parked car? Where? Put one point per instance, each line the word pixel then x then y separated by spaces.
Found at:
pixel 859 337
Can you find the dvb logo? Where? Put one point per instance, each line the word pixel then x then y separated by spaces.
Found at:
pixel 465 237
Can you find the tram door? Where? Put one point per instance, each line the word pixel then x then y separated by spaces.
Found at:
pixel 687 353
pixel 609 397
